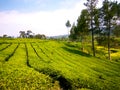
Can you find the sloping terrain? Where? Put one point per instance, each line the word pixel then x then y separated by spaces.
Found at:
pixel 53 65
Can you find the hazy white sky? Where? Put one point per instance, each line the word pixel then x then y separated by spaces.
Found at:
pixel 40 16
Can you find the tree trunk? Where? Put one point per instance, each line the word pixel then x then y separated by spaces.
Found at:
pixel 109 52
pixel 91 21
pixel 93 45
pixel 82 44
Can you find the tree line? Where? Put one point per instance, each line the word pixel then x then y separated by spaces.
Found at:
pixel 30 34
pixel 27 34
pixel 101 23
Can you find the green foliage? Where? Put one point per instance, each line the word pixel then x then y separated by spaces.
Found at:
pixel 53 65
pixel 116 31
pixel 109 10
pixel 91 7
pixel 83 24
pixel 102 41
pixel 68 24
pixel 73 33
pixel 5 54
pixel 22 34
pixel 101 21
pixel 15 74
pixel 82 27
pixel 40 36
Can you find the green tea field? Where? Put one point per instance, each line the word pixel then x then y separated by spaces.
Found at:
pixel 31 64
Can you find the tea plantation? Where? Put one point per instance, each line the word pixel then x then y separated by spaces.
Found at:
pixel 32 64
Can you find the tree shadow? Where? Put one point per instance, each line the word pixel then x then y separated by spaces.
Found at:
pixel 69 45
pixel 73 51
pixel 65 84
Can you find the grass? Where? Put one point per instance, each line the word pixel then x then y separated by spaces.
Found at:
pixel 52 65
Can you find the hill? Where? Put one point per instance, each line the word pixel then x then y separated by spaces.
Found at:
pixel 33 64
pixel 59 36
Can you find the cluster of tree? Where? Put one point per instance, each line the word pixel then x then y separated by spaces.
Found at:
pixel 6 36
pixel 101 22
pixel 27 34
pixel 30 34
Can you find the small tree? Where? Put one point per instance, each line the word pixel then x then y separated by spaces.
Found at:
pixel 40 36
pixel 73 33
pixel 22 34
pixel 68 25
pixel 5 36
pixel 29 33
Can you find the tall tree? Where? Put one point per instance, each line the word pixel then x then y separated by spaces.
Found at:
pixel 83 26
pixel 73 32
pixel 91 6
pixel 68 25
pixel 109 11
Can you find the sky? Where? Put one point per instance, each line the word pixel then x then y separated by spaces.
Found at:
pixel 40 16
